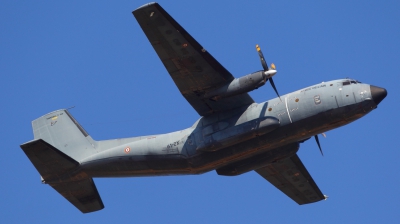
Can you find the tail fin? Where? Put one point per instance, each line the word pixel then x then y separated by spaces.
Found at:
pixel 62 131
pixel 60 142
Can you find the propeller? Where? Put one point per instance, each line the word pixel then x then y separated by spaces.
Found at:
pixel 268 73
pixel 319 145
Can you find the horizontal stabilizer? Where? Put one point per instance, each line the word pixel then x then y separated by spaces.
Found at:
pixel 56 169
pixel 50 162
pixel 82 194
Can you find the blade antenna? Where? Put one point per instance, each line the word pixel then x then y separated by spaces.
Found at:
pixel 319 146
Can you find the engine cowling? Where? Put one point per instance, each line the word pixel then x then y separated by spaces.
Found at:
pixel 240 85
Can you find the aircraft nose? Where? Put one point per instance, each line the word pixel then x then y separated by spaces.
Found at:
pixel 378 94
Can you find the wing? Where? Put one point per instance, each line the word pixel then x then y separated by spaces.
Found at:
pixel 193 69
pixel 292 178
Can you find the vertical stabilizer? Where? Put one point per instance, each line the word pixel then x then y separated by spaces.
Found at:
pixel 62 131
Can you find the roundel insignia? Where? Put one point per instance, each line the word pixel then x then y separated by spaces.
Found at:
pixel 127 150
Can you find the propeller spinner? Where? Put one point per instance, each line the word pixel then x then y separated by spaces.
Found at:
pixel 268 73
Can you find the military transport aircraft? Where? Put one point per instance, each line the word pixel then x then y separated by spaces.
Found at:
pixel 234 135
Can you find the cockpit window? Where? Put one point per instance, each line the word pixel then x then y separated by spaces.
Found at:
pixel 350 81
pixel 346 83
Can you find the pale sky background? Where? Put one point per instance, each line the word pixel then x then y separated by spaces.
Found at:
pixel 93 55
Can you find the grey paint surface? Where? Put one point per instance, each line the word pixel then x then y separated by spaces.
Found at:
pixel 234 135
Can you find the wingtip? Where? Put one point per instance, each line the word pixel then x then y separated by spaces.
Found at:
pixel 146 5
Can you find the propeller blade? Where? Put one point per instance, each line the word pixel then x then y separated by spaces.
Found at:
pixel 319 146
pixel 323 134
pixel 265 66
pixel 273 86
pixel 263 62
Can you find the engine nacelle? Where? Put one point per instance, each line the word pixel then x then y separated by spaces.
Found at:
pixel 238 86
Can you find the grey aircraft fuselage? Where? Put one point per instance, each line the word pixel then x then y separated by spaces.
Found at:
pixel 234 135
pixel 239 135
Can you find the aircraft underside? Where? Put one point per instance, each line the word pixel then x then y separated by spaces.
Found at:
pixel 279 144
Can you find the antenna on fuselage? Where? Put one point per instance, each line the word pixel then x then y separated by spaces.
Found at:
pixel 319 145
